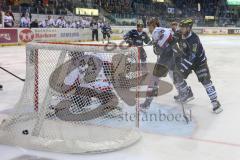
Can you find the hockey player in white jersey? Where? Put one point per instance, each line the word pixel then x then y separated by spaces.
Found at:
pixel 162 38
pixel 77 76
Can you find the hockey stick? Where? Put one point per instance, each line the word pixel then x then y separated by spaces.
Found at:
pixel 12 74
pixel 183 110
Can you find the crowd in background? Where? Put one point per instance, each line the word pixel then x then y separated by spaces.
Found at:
pixel 26 21
pixel 39 6
pixel 175 9
pixel 170 10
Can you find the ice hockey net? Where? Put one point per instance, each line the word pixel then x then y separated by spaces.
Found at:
pixel 76 99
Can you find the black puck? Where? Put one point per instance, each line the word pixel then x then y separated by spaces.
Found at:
pixel 25 132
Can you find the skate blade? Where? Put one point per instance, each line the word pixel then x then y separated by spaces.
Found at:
pixel 143 110
pixel 217 111
pixel 188 100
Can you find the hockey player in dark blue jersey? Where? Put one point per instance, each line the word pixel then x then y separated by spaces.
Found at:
pixel 137 37
pixel 106 31
pixel 193 58
pixel 179 83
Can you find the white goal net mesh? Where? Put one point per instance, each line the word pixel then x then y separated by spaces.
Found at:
pixel 76 99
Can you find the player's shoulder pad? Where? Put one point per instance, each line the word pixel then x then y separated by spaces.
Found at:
pixel 144 33
pixel 159 31
pixel 194 34
pixel 194 37
pixel 133 31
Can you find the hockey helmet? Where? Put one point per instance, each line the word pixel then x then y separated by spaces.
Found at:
pixel 140 24
pixel 186 23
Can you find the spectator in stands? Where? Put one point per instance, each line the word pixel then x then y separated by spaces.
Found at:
pixel 83 23
pixel 25 21
pixel 61 23
pixel 50 22
pixel 25 4
pixel 43 24
pixel 68 24
pixel 11 14
pixel 8 20
pixel 39 6
pixel 73 24
pixel 94 28
pixel 78 24
pixel 34 24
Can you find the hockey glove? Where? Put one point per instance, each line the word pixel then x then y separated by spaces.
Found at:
pixel 129 42
pixel 157 50
pixel 184 66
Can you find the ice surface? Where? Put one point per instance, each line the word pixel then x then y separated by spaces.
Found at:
pixel 209 136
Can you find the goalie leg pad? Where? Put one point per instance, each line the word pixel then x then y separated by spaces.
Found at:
pixel 160 70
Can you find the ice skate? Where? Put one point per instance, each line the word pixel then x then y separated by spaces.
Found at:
pixel 217 107
pixel 145 105
pixel 185 96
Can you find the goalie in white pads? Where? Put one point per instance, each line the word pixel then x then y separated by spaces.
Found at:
pixel 88 80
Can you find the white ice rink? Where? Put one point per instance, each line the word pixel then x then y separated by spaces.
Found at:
pixel 209 137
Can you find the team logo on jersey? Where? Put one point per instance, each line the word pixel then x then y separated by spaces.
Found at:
pixel 26 35
pixel 194 48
